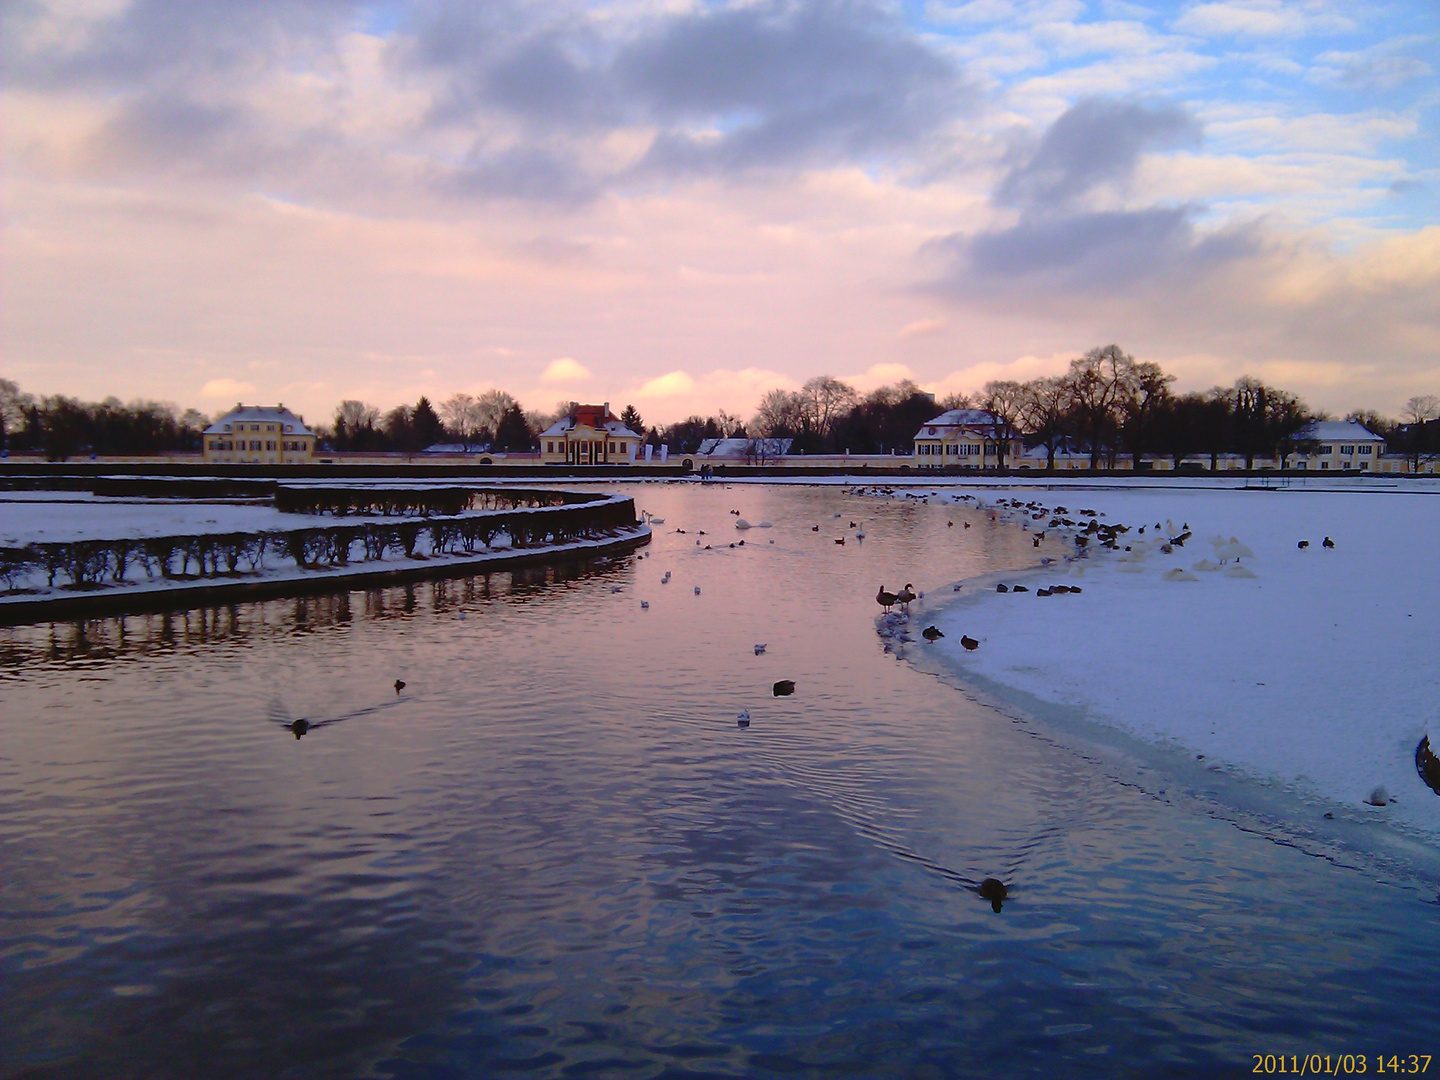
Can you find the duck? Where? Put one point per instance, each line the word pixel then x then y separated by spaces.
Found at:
pixel 969 643
pixel 399 685
pixel 840 540
pixel 1327 543
pixel 783 688
pixel 931 633
pixel 887 600
pixel 1303 544
pixel 760 649
pixel 994 890
pixel 742 718
pixel 905 595
pixel 644 605
pixel 1002 588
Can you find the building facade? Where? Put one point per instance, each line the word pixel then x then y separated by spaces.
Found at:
pixel 967 439
pixel 1338 446
pixel 258 434
pixel 590 435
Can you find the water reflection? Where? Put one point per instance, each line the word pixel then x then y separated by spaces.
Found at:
pixel 558 851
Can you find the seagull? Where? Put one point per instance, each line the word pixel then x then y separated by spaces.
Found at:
pixel 760 649
pixel 742 719
pixel 887 600
pixel 969 642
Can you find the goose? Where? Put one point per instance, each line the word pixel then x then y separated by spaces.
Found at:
pixel 930 633
pixel 840 540
pixel 1002 588
pixel 905 595
pixel 887 600
pixel 814 528
pixel 969 643
pixel 967 524
pixel 783 688
pixel 1019 588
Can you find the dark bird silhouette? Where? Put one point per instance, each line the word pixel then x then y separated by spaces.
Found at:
pixel 814 528
pixel 905 595
pixel 1036 540
pixel 994 890
pixel 1427 764
pixel 930 633
pixel 399 685
pixel 1327 542
pixel 853 525
pixel 1002 588
pixel 967 524
pixel 840 540
pixel 299 727
pixel 969 643
pixel 887 600
pixel 949 524
pixel 1303 544
pixel 1020 588
pixel 1042 592
pixel 783 688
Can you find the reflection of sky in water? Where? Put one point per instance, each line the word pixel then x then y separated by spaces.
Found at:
pixel 558 852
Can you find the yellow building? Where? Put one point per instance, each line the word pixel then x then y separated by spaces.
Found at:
pixel 259 434
pixel 590 435
pixel 1338 446
pixel 967 439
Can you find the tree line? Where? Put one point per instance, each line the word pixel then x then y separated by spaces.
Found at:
pixel 1107 406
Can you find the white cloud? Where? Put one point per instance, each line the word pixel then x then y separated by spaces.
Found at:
pixel 1262 18
pixel 564 372
pixel 921 328
pixel 226 389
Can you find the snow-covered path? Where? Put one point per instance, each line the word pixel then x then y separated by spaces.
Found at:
pixel 1322 671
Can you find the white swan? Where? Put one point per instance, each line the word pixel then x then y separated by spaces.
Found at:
pixel 741 523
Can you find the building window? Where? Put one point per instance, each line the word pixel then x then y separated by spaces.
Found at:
pixel 1324 449
pixel 1367 449
pixel 1347 449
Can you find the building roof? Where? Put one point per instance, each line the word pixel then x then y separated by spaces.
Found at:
pixel 598 417
pixel 1338 431
pixel 745 448
pixel 957 418
pixel 262 414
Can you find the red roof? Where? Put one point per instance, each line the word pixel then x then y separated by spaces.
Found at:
pixel 592 415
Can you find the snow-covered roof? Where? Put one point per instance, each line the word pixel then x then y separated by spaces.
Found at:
pixel 290 424
pixel 1064 449
pixel 597 417
pixel 956 418
pixel 456 448
pixel 1338 431
pixel 745 448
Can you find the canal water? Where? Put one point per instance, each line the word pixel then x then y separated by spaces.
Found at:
pixel 555 852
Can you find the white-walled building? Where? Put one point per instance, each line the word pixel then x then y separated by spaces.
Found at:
pixel 259 434
pixel 591 435
pixel 1342 446
pixel 967 438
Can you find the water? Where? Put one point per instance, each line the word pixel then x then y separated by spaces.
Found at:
pixel 555 853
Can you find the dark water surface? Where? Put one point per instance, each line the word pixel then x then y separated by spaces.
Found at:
pixel 556 854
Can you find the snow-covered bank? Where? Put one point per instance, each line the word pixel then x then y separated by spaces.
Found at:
pixel 1322 671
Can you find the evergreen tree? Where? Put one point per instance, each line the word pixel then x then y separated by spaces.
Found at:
pixel 513 434
pixel 631 419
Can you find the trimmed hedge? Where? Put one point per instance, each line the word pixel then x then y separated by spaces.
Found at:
pixel 89 564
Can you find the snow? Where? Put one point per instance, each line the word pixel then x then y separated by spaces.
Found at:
pixel 1319 672
pixel 39 517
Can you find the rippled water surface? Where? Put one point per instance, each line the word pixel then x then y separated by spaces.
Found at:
pixel 555 852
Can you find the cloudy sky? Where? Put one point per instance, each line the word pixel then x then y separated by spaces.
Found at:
pixel 684 204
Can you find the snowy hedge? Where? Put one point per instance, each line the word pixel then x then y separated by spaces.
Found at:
pixel 90 564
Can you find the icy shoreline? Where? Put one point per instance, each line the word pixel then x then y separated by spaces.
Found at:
pixel 1318 674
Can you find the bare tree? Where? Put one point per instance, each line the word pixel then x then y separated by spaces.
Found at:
pixel 1421 438
pixel 1143 390
pixel 458 412
pixel 780 413
pixel 356 414
pixel 1004 400
pixel 956 400
pixel 491 407
pixel 826 398
pixel 1095 385
pixel 1044 412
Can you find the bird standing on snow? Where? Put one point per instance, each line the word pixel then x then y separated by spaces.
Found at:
pixel 1327 543
pixel 1303 544
pixel 969 643
pixel 930 633
pixel 399 685
pixel 905 595
pixel 887 600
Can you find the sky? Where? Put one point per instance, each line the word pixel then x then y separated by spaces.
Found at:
pixel 683 205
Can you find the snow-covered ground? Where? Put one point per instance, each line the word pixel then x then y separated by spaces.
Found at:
pixel 41 516
pixel 1321 671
